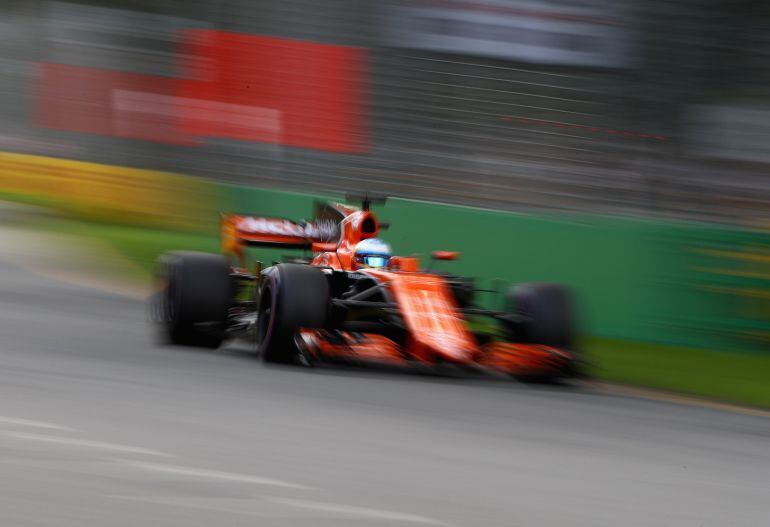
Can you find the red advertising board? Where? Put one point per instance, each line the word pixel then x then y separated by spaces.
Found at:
pixel 235 86
pixel 316 89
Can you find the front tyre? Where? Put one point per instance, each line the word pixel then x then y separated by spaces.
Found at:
pixel 543 314
pixel 292 296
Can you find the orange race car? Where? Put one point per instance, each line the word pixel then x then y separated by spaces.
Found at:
pixel 354 301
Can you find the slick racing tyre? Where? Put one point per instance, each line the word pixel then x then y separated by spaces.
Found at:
pixel 292 296
pixel 193 299
pixel 542 313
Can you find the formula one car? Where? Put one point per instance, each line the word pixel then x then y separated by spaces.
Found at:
pixel 353 301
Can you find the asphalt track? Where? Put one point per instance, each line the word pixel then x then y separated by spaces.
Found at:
pixel 100 427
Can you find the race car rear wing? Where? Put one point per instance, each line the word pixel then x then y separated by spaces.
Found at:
pixel 240 231
pixel 246 230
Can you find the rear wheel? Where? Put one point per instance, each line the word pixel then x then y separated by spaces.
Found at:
pixel 292 296
pixel 543 314
pixel 195 292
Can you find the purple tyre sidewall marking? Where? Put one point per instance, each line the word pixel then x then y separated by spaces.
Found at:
pixel 271 322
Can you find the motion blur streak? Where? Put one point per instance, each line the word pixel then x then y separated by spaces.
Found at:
pixel 615 149
pixel 419 86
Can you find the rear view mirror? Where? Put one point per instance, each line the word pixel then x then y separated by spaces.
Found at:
pixel 445 255
pixel 405 264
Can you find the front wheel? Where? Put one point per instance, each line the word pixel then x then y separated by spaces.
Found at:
pixel 292 297
pixel 543 314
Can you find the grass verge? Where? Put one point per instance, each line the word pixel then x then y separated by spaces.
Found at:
pixel 736 377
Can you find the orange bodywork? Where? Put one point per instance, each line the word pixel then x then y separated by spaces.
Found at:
pixel 524 360
pixel 358 225
pixel 348 347
pixel 436 332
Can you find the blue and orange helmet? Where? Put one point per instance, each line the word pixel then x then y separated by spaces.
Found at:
pixel 372 252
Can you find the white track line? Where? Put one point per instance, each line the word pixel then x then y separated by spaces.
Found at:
pixel 33 424
pixel 214 474
pixel 70 441
pixel 358 512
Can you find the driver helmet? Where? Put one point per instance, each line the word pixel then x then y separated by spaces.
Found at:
pixel 372 252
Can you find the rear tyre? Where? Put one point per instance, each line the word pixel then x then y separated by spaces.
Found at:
pixel 193 298
pixel 292 296
pixel 543 315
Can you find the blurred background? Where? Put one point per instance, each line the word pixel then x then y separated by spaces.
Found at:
pixel 619 147
pixel 649 108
